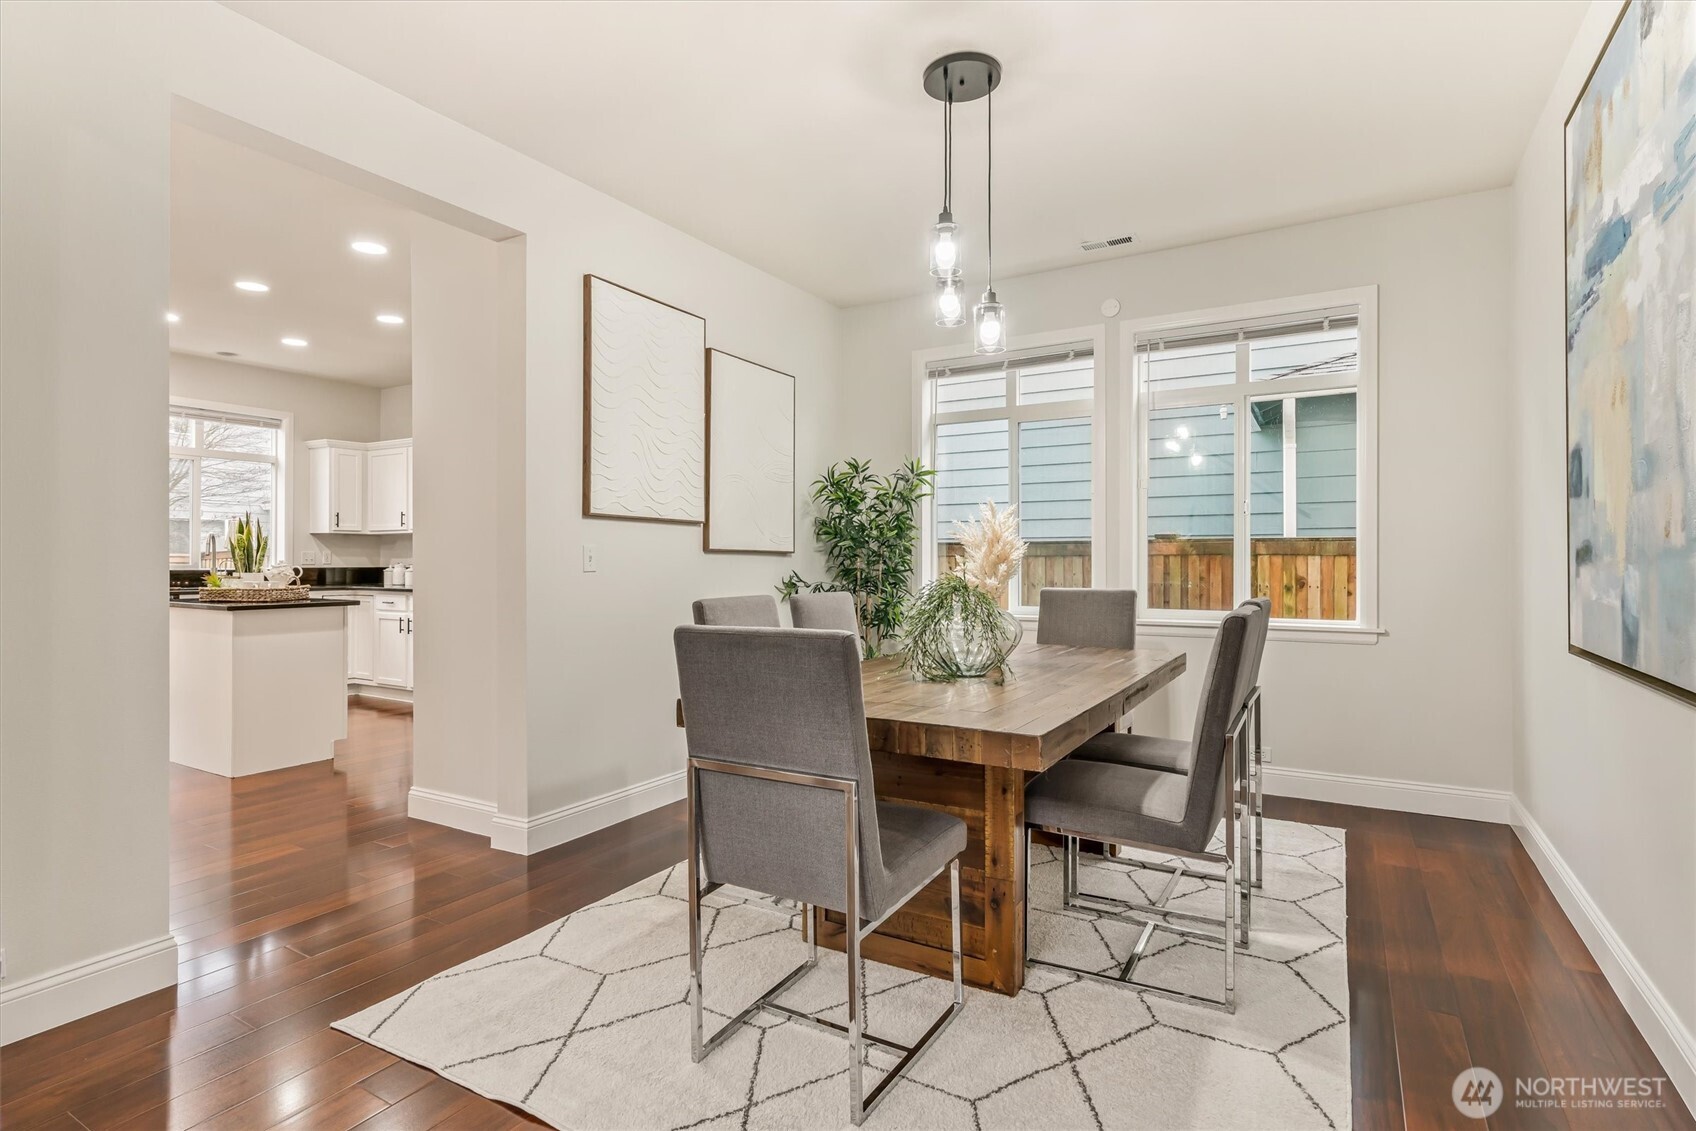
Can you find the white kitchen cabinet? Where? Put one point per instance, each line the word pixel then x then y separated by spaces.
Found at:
pixel 361 640
pixel 388 496
pixel 392 655
pixel 335 502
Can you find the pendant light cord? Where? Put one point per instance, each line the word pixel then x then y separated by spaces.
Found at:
pixel 947 144
pixel 989 181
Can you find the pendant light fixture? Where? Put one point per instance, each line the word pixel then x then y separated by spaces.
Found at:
pixel 963 76
pixel 989 318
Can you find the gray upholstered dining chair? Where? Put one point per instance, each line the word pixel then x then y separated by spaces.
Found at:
pixel 1087 618
pixel 781 801
pixel 825 610
pixel 758 610
pixel 1171 814
pixel 1173 755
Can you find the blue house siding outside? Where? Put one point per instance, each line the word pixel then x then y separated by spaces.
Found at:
pixel 1054 480
pixel 1188 500
pixel 1326 498
pixel 1054 476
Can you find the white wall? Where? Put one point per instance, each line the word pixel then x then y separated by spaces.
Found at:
pixel 84 264
pixel 322 409
pixel 455 367
pixel 1427 703
pixel 394 413
pixel 89 93
pixel 1604 768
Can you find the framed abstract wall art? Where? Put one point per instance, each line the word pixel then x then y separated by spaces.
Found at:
pixel 644 407
pixel 750 457
pixel 1631 351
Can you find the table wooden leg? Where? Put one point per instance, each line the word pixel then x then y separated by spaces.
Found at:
pixel 991 800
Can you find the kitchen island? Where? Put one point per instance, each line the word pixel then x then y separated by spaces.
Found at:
pixel 257 687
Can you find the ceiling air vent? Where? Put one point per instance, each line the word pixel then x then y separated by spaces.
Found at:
pixel 1102 245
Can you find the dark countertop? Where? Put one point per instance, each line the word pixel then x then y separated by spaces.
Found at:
pixel 365 588
pixel 257 606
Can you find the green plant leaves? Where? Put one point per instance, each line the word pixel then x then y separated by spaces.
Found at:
pixel 930 621
pixel 868 526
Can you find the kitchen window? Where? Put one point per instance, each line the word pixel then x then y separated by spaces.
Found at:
pixel 1255 438
pixel 1017 430
pixel 223 464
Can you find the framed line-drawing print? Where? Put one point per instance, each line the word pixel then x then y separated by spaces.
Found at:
pixel 644 407
pixel 1631 352
pixel 750 457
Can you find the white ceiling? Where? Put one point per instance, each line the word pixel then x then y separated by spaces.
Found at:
pixel 797 136
pixel 240 214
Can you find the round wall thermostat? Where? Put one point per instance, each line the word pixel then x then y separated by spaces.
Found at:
pixel 1110 308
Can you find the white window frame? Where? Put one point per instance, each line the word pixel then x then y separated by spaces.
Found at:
pixel 1366 627
pixel 280 462
pixel 925 420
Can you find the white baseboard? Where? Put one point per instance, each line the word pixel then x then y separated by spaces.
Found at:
pixel 451 809
pixel 529 835
pixel 1390 793
pixel 37 1004
pixel 1648 1007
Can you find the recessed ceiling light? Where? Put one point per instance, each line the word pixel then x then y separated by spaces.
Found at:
pixel 173 317
pixel 369 247
pixel 228 353
pixel 297 343
pixel 391 319
pixel 250 285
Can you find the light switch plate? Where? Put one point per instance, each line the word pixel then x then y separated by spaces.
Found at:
pixel 589 562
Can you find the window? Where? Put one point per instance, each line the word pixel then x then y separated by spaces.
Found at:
pixel 222 465
pixel 1255 457
pixel 1016 431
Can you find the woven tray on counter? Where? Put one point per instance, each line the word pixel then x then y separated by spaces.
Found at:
pixel 255 596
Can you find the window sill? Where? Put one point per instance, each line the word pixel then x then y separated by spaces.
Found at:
pixel 1307 634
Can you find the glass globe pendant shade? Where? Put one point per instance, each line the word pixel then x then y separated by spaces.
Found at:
pixel 989 319
pixel 950 311
pixel 945 248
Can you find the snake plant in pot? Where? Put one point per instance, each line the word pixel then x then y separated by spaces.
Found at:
pixel 248 546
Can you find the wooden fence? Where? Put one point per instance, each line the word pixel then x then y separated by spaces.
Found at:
pixel 1062 564
pixel 1307 578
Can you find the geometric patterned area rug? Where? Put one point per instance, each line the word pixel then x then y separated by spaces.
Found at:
pixel 584 1023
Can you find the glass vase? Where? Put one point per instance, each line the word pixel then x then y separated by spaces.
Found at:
pixel 977 653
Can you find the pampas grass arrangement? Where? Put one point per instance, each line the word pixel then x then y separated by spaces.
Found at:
pixel 992 549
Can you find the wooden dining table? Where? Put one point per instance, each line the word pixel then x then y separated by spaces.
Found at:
pixel 968 748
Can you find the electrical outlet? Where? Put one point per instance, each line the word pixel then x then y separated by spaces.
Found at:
pixel 589 563
pixel 2 964
pixel 309 557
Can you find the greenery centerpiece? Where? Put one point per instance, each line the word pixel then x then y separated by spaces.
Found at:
pixel 956 627
pixel 868 525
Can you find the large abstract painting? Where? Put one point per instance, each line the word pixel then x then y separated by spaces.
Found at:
pixel 644 407
pixel 750 457
pixel 1631 351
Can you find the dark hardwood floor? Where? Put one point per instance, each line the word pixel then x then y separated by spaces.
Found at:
pixel 302 896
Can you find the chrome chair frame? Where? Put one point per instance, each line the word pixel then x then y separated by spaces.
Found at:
pixel 860 1104
pixel 1156 916
pixel 1246 808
